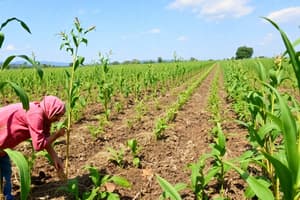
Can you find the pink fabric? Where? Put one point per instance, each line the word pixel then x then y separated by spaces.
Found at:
pixel 17 125
pixel 52 106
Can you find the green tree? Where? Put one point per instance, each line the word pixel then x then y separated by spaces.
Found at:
pixel 244 52
pixel 159 60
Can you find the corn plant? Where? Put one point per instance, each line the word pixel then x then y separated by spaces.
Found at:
pixel 117 156
pixel 261 130
pixel 99 190
pixel 140 109
pixel 97 130
pixel 24 171
pixel 134 148
pixel 18 90
pixel 286 161
pixel 272 115
pixel 160 127
pixel 200 178
pixel 17 157
pixel 72 87
pixel 258 186
pixel 213 100
pixel 105 85
pixel 170 191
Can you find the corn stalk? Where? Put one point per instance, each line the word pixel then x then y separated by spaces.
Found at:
pixel 72 86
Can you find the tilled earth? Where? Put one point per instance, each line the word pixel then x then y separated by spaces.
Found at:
pixel 186 139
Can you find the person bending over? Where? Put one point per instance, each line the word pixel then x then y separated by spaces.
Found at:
pixel 18 125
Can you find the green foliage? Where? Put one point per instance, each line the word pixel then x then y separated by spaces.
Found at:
pixel 293 55
pixel 99 190
pixel 133 146
pixel 259 187
pixel 160 126
pixel 104 84
pixel 117 156
pixel 244 52
pixel 24 171
pixel 200 178
pixel 18 90
pixel 71 44
pixel 170 191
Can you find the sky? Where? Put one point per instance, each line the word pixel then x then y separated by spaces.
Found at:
pixel 148 29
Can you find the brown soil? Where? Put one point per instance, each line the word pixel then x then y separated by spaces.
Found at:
pixel 186 139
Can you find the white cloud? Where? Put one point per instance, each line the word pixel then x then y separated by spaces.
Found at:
pixel 182 38
pixel 154 31
pixel 10 47
pixel 291 14
pixel 214 9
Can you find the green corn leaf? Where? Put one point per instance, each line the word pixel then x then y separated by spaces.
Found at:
pixel 168 188
pixel 265 129
pixel 290 49
pixel 23 24
pixel 74 37
pixel 249 194
pixel 1 39
pixel 289 131
pixel 84 40
pixel 113 196
pixel 295 43
pixel 94 175
pixel 261 71
pixel 6 62
pixel 91 195
pixel 180 186
pixel 257 187
pixel 19 92
pixel 31 61
pixel 81 60
pixel 24 172
pixel 40 73
pixel 286 176
pixel 211 174
pixel 221 140
pixel 121 181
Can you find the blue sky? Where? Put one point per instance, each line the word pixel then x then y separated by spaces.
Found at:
pixel 148 29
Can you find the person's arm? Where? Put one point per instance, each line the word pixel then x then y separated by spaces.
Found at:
pixel 56 160
pixel 56 135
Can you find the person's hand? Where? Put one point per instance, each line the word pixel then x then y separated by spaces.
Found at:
pixel 58 164
pixel 61 132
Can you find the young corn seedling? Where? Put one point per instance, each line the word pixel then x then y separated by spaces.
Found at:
pixel 218 154
pixel 140 110
pixel 200 178
pixel 170 191
pixel 103 186
pixel 71 44
pixel 101 189
pixel 117 156
pixel 160 127
pixel 214 99
pixel 134 148
pixel 96 131
pixel 105 85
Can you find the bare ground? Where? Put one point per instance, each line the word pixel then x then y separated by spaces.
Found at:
pixel 186 139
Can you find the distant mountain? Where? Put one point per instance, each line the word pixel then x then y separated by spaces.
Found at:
pixel 51 63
